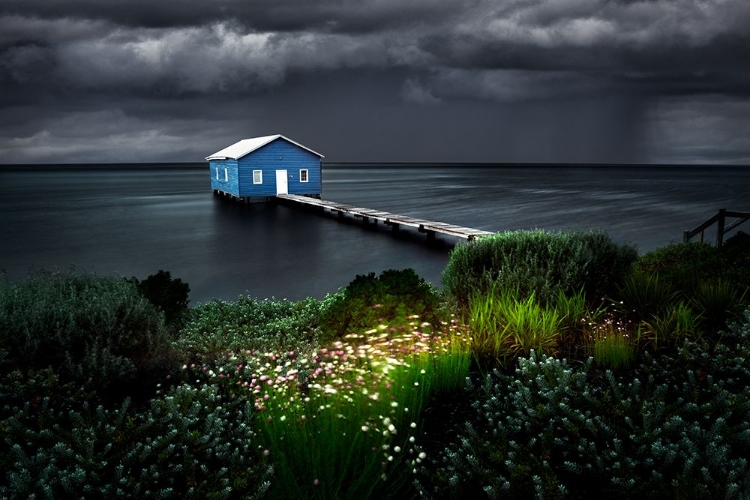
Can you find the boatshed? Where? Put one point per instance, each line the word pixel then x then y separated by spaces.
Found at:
pixel 264 167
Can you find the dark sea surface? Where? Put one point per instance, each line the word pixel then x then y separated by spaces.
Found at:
pixel 134 220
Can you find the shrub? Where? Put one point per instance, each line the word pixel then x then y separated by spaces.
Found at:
pixel 86 327
pixel 370 300
pixel 671 326
pixel 167 294
pixel 539 262
pixel 739 331
pixel 735 255
pixel 679 429
pixel 685 265
pixel 190 443
pixel 679 265
pixel 218 327
pixel 718 301
pixel 643 296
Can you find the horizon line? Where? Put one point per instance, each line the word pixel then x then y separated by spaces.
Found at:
pixel 386 164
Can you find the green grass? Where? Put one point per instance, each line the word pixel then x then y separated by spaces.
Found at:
pixel 531 326
pixel 612 347
pixel 577 316
pixel 343 421
pixel 643 295
pixel 670 327
pixel 504 326
pixel 489 336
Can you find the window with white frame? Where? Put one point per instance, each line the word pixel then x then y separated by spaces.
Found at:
pixel 303 175
pixel 217 173
pixel 257 177
pixel 226 175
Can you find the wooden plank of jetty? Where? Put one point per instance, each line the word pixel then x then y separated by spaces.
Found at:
pixel 388 218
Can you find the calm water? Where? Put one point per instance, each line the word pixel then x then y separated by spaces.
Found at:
pixel 135 220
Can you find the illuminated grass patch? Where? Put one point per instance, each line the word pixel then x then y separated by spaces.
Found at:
pixel 343 421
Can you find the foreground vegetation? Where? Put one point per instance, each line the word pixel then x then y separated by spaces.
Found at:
pixel 552 365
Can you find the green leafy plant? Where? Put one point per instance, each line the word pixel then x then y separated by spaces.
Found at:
pixel 370 300
pixel 680 429
pixel 718 301
pixel 670 327
pixel 685 265
pixel 503 325
pixel 93 329
pixel 188 443
pixel 167 294
pixel 217 328
pixel 735 256
pixel 643 296
pixel 680 266
pixel 539 262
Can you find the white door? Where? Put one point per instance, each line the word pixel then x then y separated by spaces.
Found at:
pixel 282 183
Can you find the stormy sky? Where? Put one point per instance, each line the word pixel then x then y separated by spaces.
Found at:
pixel 624 81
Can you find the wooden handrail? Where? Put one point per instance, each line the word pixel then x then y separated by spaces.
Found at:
pixel 721 227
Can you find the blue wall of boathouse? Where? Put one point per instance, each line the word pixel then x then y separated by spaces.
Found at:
pixel 235 177
pixel 280 155
pixel 224 176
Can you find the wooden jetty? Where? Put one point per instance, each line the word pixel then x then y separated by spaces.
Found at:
pixel 431 228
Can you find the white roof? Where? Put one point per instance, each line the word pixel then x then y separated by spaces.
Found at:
pixel 247 146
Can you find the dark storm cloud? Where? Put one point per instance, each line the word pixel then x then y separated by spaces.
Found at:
pixel 171 46
pixel 145 74
pixel 260 15
pixel 703 44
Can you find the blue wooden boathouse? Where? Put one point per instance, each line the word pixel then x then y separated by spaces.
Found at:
pixel 263 167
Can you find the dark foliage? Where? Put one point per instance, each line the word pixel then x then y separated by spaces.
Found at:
pixel 685 265
pixel 219 327
pixel 678 426
pixel 542 263
pixel 93 330
pixel 189 443
pixel 370 300
pixel 715 282
pixel 167 294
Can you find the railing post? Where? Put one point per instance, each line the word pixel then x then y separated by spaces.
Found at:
pixel 720 228
pixel 685 236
